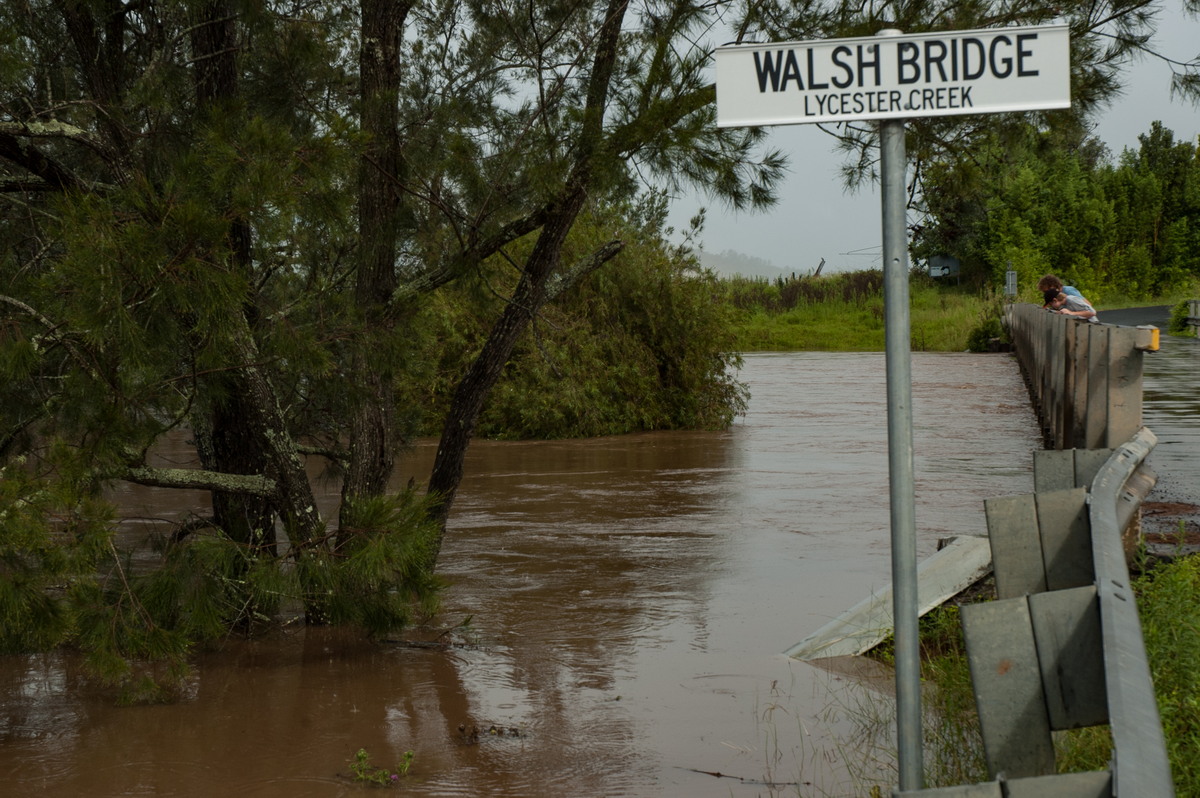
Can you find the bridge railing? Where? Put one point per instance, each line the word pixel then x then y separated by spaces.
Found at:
pixel 1085 379
pixel 1061 647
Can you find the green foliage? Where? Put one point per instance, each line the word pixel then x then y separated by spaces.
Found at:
pixel 787 293
pixel 1169 608
pixel 951 727
pixel 990 328
pixel 137 616
pixel 1168 600
pixel 1051 201
pixel 841 311
pixel 52 538
pixel 365 771
pixel 186 252
pixel 642 344
pixel 952 743
pixel 187 249
pixel 980 338
pixel 845 312
pixel 1178 325
pixel 379 573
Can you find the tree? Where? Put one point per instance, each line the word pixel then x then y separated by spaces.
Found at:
pixel 228 220
pixel 952 156
pixel 179 265
pixel 183 260
pixel 1126 227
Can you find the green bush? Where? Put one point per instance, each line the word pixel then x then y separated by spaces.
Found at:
pixel 643 343
pixel 981 337
pixel 1178 324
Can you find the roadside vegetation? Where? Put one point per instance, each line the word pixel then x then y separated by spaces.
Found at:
pixel 1123 228
pixel 1119 226
pixel 844 312
pixel 1179 321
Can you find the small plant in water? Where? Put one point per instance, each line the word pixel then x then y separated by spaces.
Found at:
pixel 366 772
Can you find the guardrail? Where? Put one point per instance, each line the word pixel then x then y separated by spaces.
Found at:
pixel 1061 647
pixel 1085 379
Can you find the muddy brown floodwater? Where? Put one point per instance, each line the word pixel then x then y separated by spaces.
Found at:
pixel 628 599
pixel 1171 408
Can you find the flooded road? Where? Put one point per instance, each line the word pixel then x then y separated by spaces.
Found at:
pixel 1171 408
pixel 626 601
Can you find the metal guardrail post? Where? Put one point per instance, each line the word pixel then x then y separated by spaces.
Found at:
pixel 1066 650
pixel 1140 763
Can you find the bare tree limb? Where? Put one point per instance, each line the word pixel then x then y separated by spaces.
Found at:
pixel 563 282
pixel 198 479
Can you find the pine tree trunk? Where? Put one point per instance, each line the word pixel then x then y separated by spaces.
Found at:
pixel 531 292
pixel 248 429
pixel 485 370
pixel 371 422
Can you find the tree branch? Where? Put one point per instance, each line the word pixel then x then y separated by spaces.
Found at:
pixel 558 284
pixel 23 186
pixel 329 453
pixel 34 160
pixel 197 479
pixel 52 330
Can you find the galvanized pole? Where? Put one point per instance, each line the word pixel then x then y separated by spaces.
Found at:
pixel 900 450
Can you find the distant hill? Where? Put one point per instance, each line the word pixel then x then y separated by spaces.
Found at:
pixel 730 263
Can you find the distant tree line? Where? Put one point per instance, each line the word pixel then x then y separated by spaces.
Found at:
pixel 1049 202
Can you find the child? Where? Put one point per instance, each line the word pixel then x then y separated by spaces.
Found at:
pixel 1064 303
pixel 1052 283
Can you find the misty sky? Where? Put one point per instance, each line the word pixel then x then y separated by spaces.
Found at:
pixel 816 219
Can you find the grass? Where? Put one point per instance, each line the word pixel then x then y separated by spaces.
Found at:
pixel 1169 606
pixel 940 320
pixel 844 312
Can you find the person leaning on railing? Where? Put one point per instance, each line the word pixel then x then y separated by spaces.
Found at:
pixel 1052 283
pixel 1061 302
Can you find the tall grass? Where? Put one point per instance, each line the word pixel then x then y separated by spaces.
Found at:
pixel 1169 607
pixel 845 313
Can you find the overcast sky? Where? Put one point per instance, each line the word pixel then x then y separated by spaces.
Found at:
pixel 816 219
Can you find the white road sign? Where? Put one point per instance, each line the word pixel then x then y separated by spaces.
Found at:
pixel 894 77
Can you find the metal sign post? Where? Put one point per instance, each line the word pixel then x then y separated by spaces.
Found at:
pixel 898 356
pixel 892 77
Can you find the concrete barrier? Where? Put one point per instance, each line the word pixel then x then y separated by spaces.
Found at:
pixel 1085 379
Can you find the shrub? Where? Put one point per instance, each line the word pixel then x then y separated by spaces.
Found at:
pixel 1178 324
